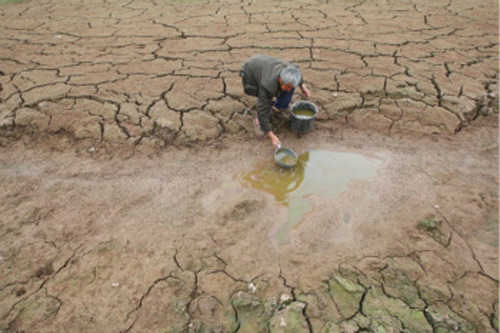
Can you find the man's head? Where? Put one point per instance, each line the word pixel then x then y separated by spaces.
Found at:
pixel 290 78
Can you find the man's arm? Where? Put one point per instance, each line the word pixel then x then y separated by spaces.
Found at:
pixel 274 139
pixel 305 91
pixel 264 104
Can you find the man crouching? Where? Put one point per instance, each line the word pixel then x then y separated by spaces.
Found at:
pixel 266 78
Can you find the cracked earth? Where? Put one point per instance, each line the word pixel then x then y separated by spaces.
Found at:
pixel 124 133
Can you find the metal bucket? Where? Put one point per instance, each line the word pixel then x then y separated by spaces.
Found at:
pixel 302 115
pixel 285 157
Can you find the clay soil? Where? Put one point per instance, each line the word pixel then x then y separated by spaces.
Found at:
pixel 125 133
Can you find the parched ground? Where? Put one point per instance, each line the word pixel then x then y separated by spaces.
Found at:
pixel 124 135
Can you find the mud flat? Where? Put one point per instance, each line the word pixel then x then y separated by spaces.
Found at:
pixel 170 241
pixel 124 135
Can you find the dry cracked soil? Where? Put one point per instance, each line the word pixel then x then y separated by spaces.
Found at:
pixel 125 138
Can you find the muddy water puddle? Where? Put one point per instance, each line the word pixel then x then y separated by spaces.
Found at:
pixel 318 172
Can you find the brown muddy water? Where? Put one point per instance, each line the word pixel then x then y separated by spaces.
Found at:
pixel 286 159
pixel 303 113
pixel 318 172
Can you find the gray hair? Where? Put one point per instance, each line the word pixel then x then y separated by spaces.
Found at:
pixel 291 74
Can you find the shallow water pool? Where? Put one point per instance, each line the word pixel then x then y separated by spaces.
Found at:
pixel 320 172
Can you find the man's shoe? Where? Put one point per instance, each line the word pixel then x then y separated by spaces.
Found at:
pixel 281 113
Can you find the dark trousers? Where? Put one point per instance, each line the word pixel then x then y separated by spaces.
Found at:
pixel 284 99
pixel 249 86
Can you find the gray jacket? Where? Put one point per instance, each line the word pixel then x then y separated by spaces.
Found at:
pixel 260 78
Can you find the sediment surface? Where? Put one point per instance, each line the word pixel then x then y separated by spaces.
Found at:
pixel 124 132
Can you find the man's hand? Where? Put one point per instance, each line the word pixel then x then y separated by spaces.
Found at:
pixel 274 139
pixel 305 91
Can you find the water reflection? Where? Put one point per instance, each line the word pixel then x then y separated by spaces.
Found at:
pixel 319 172
pixel 278 181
